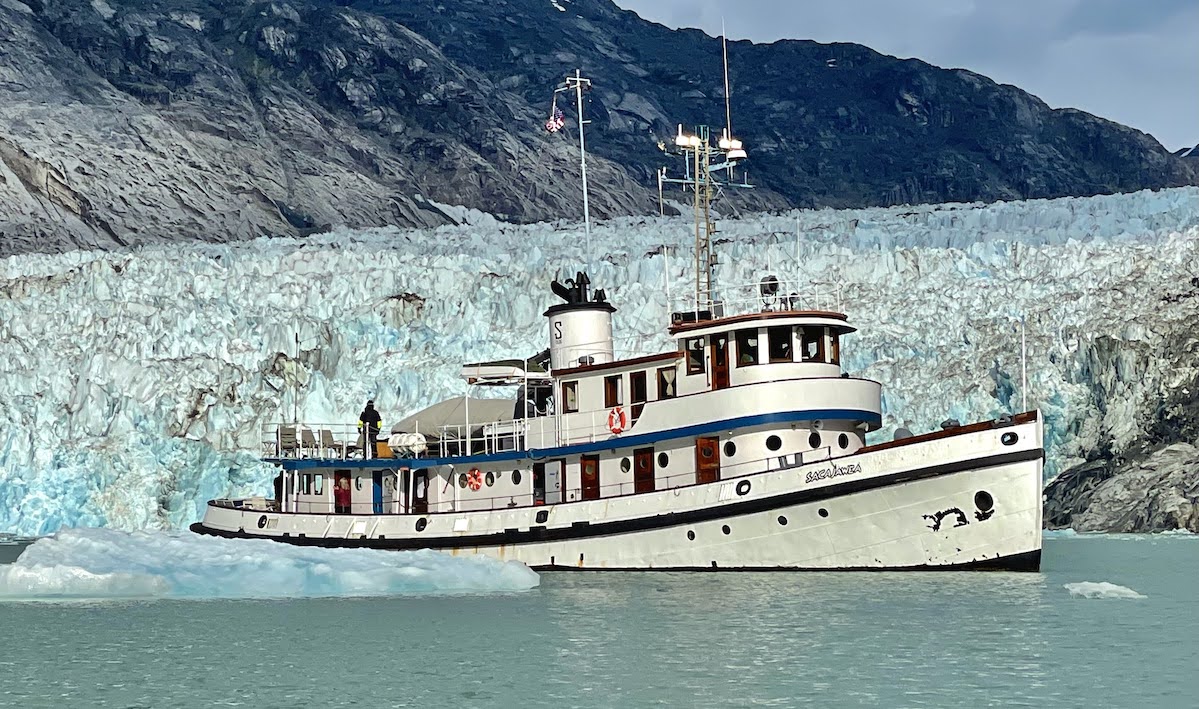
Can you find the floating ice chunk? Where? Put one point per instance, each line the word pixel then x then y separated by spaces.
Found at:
pixel 106 563
pixel 1101 589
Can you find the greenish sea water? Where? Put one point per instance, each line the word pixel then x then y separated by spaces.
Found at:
pixel 653 639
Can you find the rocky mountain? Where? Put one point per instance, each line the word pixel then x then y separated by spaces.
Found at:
pixel 1188 153
pixel 124 123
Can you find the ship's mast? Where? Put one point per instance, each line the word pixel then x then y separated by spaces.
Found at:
pixel 699 154
pixel 578 84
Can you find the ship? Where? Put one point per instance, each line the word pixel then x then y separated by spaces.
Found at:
pixel 744 445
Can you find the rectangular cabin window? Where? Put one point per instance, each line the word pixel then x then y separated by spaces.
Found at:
pixel 638 392
pixel 320 484
pixel 570 397
pixel 613 396
pixel 666 377
pixel 812 344
pixel 779 341
pixel 834 347
pixel 747 347
pixel 695 355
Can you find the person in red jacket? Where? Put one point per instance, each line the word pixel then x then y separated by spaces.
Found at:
pixel 341 497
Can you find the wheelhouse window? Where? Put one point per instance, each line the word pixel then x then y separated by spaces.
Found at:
pixel 638 391
pixel 747 347
pixel 779 341
pixel 666 377
pixel 613 396
pixel 812 344
pixel 695 355
pixel 834 347
pixel 570 397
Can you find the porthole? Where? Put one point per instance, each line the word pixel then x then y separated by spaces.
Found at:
pixel 625 465
pixel 690 536
pixel 542 516
pixel 843 441
pixel 358 482
pixel 462 480
pixel 730 449
pixel 782 520
pixel 726 529
pixel 813 440
pixel 490 478
pixel 421 524
pixel 1009 438
pixel 983 501
pixel 743 487
pixel 262 522
pixel 515 477
pixel 774 443
pixel 663 460
pixel 822 512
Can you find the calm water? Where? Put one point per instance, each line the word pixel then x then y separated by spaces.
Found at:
pixel 631 640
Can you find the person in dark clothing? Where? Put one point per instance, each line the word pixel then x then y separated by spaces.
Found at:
pixel 369 422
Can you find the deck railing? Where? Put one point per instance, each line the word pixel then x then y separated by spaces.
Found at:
pixel 765 296
pixel 469 502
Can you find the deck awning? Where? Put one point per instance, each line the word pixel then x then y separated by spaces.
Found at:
pixel 452 412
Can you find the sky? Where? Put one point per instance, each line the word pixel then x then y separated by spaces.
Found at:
pixel 1135 62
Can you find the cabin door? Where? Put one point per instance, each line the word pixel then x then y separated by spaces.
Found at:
pixel 707 460
pixel 643 470
pixel 377 492
pixel 420 492
pixel 720 361
pixel 538 483
pixel 589 474
pixel 555 476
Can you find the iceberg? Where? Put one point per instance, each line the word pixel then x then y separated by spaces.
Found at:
pixel 100 564
pixel 135 385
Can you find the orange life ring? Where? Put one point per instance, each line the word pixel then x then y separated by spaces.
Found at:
pixel 617 421
pixel 474 479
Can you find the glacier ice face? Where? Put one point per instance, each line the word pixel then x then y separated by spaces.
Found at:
pixel 134 385
pixel 108 564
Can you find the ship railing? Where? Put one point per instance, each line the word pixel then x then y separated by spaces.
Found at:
pixel 763 296
pixel 467 501
pixel 313 440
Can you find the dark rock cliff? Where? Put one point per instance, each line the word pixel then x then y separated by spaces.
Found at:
pixel 139 121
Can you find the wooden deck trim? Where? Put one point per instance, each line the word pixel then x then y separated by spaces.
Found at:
pixel 1026 417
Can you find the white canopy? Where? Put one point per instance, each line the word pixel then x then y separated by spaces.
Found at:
pixel 452 412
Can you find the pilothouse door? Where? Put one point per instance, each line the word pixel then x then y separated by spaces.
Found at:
pixel 720 361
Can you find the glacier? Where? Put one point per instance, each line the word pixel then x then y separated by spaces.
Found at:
pixel 135 384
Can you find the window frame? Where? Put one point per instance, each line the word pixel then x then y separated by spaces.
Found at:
pixel 663 385
pixel 784 335
pixel 834 346
pixel 819 332
pixel 700 366
pixel 742 338
pixel 571 387
pixel 613 391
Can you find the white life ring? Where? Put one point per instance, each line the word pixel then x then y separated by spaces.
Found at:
pixel 617 421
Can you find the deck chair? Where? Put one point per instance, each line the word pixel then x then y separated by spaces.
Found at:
pixel 328 443
pixel 308 441
pixel 285 441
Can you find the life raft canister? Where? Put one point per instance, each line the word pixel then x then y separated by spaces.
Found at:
pixel 474 479
pixel 617 421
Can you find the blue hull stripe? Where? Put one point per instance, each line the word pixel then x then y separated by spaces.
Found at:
pixel 699 429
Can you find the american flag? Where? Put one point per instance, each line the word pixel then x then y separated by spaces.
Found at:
pixel 556 120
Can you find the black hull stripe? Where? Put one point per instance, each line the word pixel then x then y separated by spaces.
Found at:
pixel 625 526
pixel 1029 561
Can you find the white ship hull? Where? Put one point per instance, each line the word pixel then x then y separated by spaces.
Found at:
pixel 971 499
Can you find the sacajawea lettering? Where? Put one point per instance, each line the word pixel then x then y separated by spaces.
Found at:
pixel 833 471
